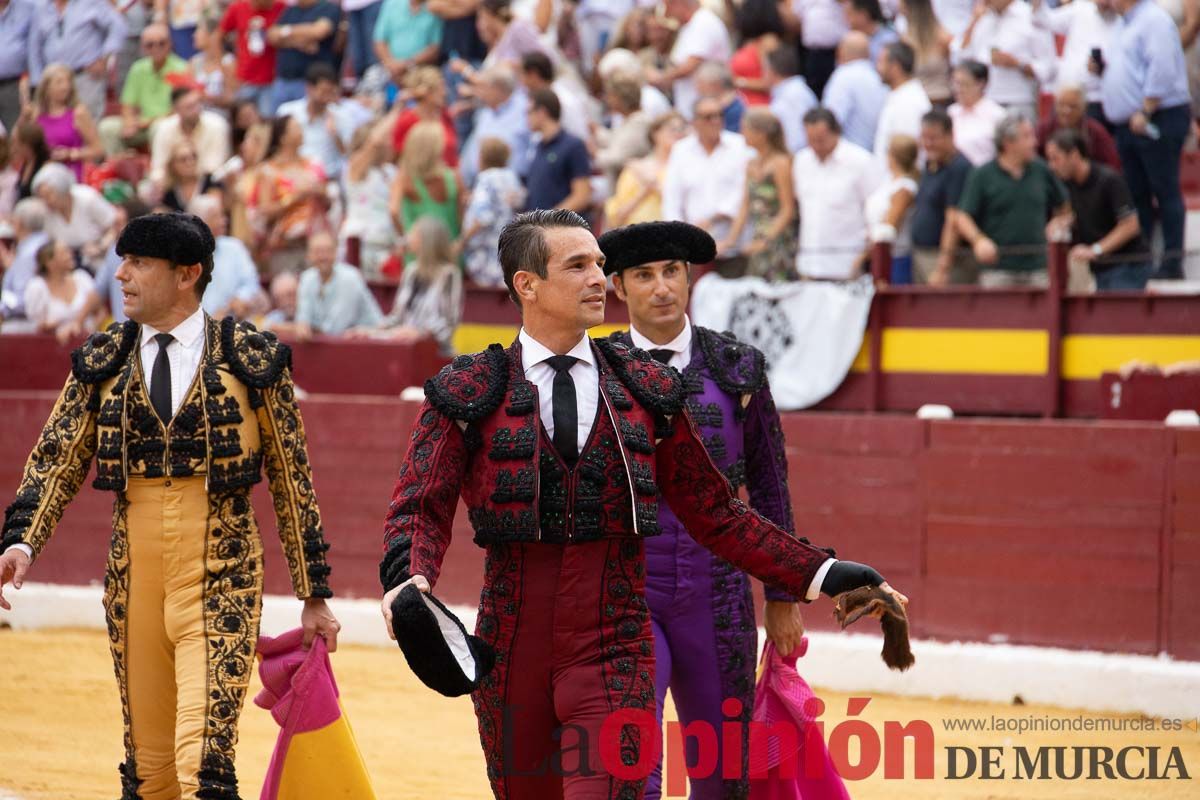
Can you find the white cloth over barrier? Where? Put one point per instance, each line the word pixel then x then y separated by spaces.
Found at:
pixel 810 331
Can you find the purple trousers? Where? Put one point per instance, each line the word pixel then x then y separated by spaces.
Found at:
pixel 705 643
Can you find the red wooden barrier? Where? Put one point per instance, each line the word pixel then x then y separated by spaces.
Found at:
pixel 1072 534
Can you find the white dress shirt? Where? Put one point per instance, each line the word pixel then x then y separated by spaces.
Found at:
pixel 699 185
pixel 183 353
pixel 832 195
pixel 902 112
pixel 1013 32
pixel 791 99
pixel 822 23
pixel 681 346
pixel 704 36
pixel 585 373
pixel 210 138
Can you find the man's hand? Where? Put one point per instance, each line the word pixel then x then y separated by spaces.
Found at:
pixel 941 271
pixel 784 625
pixel 68 331
pixel 1081 252
pixel 985 251
pixel 846 575
pixel 416 580
pixel 98 68
pixel 317 620
pixel 13 566
pixel 1003 59
pixel 1137 123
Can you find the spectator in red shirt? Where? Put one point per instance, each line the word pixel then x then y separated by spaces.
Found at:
pixel 255 56
pixel 427 89
pixel 1070 111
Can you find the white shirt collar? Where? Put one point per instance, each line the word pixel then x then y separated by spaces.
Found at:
pixel 534 352
pixel 186 333
pixel 680 344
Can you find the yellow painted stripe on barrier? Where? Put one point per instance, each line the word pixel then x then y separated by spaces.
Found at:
pixel 969 351
pixel 959 351
pixel 472 337
pixel 1086 356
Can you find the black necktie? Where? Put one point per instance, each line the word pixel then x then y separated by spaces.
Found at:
pixel 662 355
pixel 160 379
pixel 566 415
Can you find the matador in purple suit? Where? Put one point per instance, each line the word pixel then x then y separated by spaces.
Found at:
pixel 702 612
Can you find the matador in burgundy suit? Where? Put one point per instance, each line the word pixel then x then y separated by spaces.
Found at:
pixel 701 608
pixel 560 446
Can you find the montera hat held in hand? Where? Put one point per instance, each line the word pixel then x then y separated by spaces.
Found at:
pixel 646 242
pixel 436 646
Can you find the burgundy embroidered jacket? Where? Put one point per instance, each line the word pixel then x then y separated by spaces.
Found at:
pixel 479 434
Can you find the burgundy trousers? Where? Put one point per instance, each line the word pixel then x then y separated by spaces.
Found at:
pixel 574 647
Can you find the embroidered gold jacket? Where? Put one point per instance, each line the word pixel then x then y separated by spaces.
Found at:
pixel 239 413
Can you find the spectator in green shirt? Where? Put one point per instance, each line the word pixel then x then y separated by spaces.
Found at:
pixel 146 96
pixel 1010 206
pixel 407 35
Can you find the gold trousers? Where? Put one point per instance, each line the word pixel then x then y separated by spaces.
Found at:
pixel 183 598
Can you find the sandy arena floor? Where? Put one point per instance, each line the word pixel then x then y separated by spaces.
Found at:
pixel 60 733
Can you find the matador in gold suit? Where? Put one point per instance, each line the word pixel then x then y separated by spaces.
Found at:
pixel 183 586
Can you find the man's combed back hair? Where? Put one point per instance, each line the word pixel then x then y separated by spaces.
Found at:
pixel 523 245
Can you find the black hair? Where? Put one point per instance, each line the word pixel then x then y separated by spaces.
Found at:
pixel 279 127
pixel 755 18
pixel 546 100
pixel 319 72
pixel 869 7
pixel 523 245
pixel 1070 140
pixel 940 118
pixel 821 114
pixel 901 54
pixel 976 69
pixel 539 64
pixel 783 61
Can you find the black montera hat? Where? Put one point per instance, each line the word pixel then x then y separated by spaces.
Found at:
pixel 182 239
pixel 436 645
pixel 644 242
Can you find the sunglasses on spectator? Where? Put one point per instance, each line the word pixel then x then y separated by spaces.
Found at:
pixel 155 43
pixel 712 115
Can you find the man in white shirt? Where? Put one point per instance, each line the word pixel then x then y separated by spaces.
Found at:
pixel 790 96
pixel 855 93
pixel 702 37
pixel 833 179
pixel 1088 26
pixel 1022 57
pixel 706 173
pixel 561 447
pixel 906 102
pixel 234 289
pixel 207 131
pixel 327 131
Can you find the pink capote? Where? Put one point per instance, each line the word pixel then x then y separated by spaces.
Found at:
pixel 315 757
pixel 782 697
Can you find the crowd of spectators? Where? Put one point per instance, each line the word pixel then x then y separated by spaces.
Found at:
pixel 337 147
